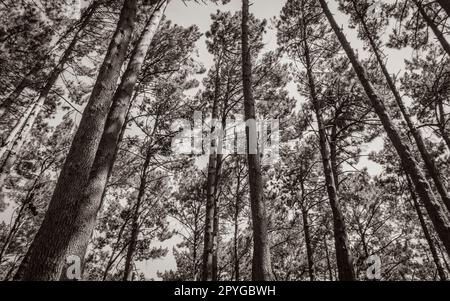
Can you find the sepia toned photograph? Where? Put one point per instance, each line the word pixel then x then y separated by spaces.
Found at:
pixel 246 143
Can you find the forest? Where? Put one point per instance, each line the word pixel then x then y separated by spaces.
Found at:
pixel 225 140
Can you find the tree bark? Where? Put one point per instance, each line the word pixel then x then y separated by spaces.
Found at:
pixel 442 122
pixel 426 156
pixel 261 265
pixel 63 224
pixel 437 213
pixel 106 153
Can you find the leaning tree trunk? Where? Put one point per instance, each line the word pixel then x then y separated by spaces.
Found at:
pixel 104 159
pixel 9 100
pixel 63 224
pixel 442 123
pixel 261 265
pixel 127 274
pixel 343 255
pixel 439 35
pixel 20 133
pixel 426 156
pixel 426 232
pixel 437 213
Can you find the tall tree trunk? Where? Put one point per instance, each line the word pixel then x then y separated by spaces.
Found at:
pixel 445 5
pixel 236 230
pixel 327 255
pixel 19 135
pixel 426 156
pixel 63 224
pixel 127 274
pixel 261 265
pixel 439 35
pixel 437 213
pixel 426 232
pixel 208 245
pixel 107 149
pixel 309 251
pixel 343 254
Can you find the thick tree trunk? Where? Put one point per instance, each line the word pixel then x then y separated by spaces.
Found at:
pixel 426 232
pixel 63 225
pixel 261 265
pixel 439 35
pixel 343 255
pixel 21 132
pixel 426 156
pixel 437 213
pixel 107 149
pixel 445 5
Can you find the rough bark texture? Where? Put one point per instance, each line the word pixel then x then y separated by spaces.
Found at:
pixel 309 251
pixel 437 213
pixel 426 156
pixel 442 123
pixel 261 265
pixel 439 35
pixel 106 153
pixel 63 225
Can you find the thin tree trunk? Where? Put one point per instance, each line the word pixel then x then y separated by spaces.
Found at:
pixel 309 251
pixel 236 230
pixel 442 122
pixel 426 156
pixel 208 245
pixel 127 274
pixel 439 35
pixel 343 255
pixel 426 232
pixel 327 254
pixel 261 265
pixel 19 135
pixel 9 100
pixel 63 225
pixel 437 213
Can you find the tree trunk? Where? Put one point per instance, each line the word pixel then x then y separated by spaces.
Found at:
pixel 426 156
pixel 437 213
pixel 127 274
pixel 106 153
pixel 439 35
pixel 426 232
pixel 309 251
pixel 442 122
pixel 208 245
pixel 343 255
pixel 63 225
pixel 21 132
pixel 9 100
pixel 261 265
